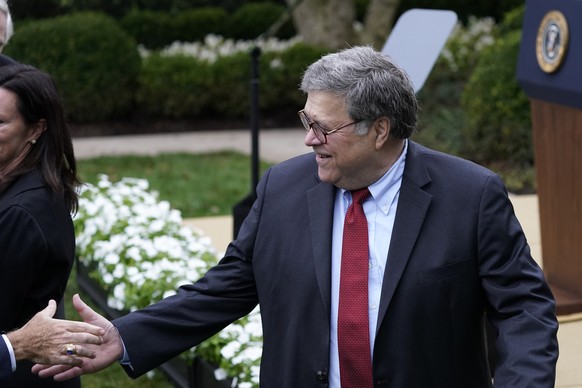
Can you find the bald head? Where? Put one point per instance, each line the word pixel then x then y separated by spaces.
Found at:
pixel 6 27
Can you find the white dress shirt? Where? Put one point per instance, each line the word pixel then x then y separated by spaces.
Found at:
pixel 380 210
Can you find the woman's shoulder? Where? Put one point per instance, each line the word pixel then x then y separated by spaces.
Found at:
pixel 29 182
pixel 30 193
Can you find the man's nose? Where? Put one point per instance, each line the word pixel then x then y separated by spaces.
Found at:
pixel 311 140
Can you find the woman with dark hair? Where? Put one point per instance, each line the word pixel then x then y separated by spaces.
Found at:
pixel 38 182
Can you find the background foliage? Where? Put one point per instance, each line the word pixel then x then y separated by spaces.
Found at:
pixel 94 62
pixel 465 9
pixel 471 104
pixel 155 29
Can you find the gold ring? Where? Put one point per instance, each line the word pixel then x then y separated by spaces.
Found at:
pixel 70 349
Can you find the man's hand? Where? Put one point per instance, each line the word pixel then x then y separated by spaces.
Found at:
pixel 44 340
pixel 105 353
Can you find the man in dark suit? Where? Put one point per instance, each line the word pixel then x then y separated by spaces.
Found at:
pixel 442 253
pixel 43 339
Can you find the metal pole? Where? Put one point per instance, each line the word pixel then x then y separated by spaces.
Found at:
pixel 242 209
pixel 254 119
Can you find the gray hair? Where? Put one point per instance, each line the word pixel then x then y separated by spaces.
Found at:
pixel 371 84
pixel 9 26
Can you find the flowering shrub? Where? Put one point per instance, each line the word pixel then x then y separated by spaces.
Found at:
pixel 210 78
pixel 215 46
pixel 136 248
pixel 240 346
pixel 466 42
pixel 442 120
pixel 135 245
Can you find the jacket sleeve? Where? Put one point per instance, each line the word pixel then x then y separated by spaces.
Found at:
pixel 5 362
pixel 23 251
pixel 520 308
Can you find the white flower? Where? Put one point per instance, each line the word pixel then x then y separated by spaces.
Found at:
pixel 230 350
pixel 119 291
pixel 465 43
pixel 220 374
pixel 276 63
pixel 215 46
pixel 107 278
pixel 156 226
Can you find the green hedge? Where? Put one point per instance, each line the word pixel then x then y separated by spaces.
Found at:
pixel 472 105
pixel 103 78
pixel 158 29
pixel 194 25
pixel 42 9
pixel 94 62
pixel 442 119
pixel 183 87
pixel 499 123
pixel 463 8
pixel 498 110
pixel 230 88
pixel 498 132
pixel 148 28
pixel 254 19
pixel 174 87
pixel 281 74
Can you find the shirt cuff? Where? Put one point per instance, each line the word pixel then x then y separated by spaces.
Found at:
pixel 124 360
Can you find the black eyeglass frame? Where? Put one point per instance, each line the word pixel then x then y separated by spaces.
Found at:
pixel 317 128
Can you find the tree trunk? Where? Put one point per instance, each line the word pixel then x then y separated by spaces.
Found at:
pixel 378 22
pixel 327 23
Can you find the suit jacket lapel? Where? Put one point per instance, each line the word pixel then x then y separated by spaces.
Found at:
pixel 413 204
pixel 320 200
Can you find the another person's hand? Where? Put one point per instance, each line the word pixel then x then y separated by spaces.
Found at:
pixel 45 340
pixel 109 351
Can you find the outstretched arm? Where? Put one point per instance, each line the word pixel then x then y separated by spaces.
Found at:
pixel 110 350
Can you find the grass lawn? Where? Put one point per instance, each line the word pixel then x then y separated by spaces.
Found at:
pixel 198 185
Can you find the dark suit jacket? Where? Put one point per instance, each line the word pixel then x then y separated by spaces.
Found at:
pixel 6 60
pixel 37 251
pixel 457 252
pixel 5 363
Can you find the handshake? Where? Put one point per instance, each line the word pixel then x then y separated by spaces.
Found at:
pixel 62 349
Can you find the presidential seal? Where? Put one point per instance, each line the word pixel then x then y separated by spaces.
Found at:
pixel 552 41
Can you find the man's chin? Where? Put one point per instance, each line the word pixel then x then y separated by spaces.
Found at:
pixel 325 176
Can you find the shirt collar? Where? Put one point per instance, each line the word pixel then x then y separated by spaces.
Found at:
pixel 384 189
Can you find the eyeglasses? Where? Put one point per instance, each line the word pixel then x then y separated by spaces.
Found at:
pixel 319 131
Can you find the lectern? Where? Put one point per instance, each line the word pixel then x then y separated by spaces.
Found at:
pixel 550 72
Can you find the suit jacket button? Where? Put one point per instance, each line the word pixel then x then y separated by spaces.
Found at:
pixel 321 376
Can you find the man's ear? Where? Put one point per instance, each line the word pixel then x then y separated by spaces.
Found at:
pixel 381 130
pixel 36 130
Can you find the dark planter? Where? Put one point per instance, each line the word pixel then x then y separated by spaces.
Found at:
pixel 198 375
pixel 201 375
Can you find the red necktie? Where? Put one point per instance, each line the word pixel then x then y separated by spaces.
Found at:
pixel 353 329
